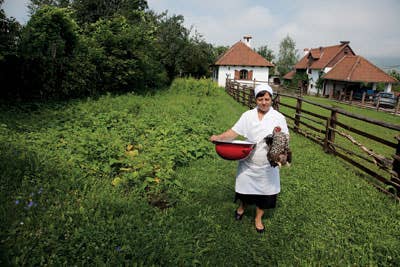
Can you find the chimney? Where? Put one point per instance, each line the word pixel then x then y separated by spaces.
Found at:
pixel 247 40
pixel 306 51
pixel 344 42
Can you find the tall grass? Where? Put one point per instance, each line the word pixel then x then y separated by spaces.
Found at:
pixel 61 204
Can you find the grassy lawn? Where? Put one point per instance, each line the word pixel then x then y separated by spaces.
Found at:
pixel 326 216
pixel 369 128
pixel 133 180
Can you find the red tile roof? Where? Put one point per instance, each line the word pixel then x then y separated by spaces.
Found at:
pixel 289 75
pixel 242 55
pixel 319 58
pixel 357 69
pixel 315 53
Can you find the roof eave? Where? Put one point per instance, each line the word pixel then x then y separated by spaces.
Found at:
pixel 357 81
pixel 244 65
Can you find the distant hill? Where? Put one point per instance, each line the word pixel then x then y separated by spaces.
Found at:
pixel 386 63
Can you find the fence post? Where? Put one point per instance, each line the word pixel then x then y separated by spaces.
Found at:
pixel 351 96
pixel 236 91
pixel 378 103
pixel 300 88
pixel 396 161
pixel 363 99
pixel 244 88
pixel 326 143
pixel 297 115
pixel 251 97
pixel 231 85
pixel 276 102
pixel 330 134
pixel 341 95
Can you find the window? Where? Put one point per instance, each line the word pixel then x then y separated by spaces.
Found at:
pixel 243 75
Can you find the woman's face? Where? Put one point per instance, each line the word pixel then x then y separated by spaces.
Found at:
pixel 264 102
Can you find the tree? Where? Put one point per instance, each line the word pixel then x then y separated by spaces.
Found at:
pixel 48 43
pixel 125 58
pixel 300 81
pixel 89 11
pixel 35 5
pixel 287 55
pixel 172 39
pixel 395 74
pixel 9 61
pixel 196 58
pixel 218 51
pixel 266 53
pixel 73 48
pixel 9 34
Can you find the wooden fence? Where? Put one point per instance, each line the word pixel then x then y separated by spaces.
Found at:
pixel 367 102
pixel 325 128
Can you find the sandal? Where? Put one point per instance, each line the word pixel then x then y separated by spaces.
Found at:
pixel 260 230
pixel 238 216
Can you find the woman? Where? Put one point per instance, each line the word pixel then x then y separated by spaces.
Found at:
pixel 257 182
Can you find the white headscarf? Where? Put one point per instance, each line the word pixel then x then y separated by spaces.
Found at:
pixel 263 87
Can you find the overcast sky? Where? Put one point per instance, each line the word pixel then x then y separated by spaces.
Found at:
pixel 371 26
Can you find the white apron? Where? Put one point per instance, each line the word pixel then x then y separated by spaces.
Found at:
pixel 255 175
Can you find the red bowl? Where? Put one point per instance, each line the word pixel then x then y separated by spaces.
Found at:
pixel 233 150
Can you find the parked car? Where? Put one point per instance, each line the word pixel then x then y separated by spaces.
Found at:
pixel 385 100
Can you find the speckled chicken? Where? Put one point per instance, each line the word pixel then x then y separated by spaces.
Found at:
pixel 278 153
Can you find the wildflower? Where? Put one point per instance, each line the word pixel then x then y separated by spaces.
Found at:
pixel 40 190
pixel 118 248
pixel 21 223
pixel 31 203
pixel 17 202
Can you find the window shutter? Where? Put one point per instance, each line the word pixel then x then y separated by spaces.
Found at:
pixel 237 75
pixel 250 75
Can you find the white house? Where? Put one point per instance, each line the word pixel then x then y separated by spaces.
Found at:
pixel 350 71
pixel 318 61
pixel 241 63
pixel 340 70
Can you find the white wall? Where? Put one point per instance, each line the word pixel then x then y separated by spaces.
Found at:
pixel 259 73
pixel 329 87
pixel 312 81
pixel 388 87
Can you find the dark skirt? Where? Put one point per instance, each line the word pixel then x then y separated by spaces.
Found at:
pixel 261 201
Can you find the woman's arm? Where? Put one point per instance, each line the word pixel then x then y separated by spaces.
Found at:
pixel 228 135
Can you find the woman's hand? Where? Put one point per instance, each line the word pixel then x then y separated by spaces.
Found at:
pixel 228 135
pixel 214 138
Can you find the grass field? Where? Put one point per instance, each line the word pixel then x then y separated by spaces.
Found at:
pixel 370 128
pixel 132 180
